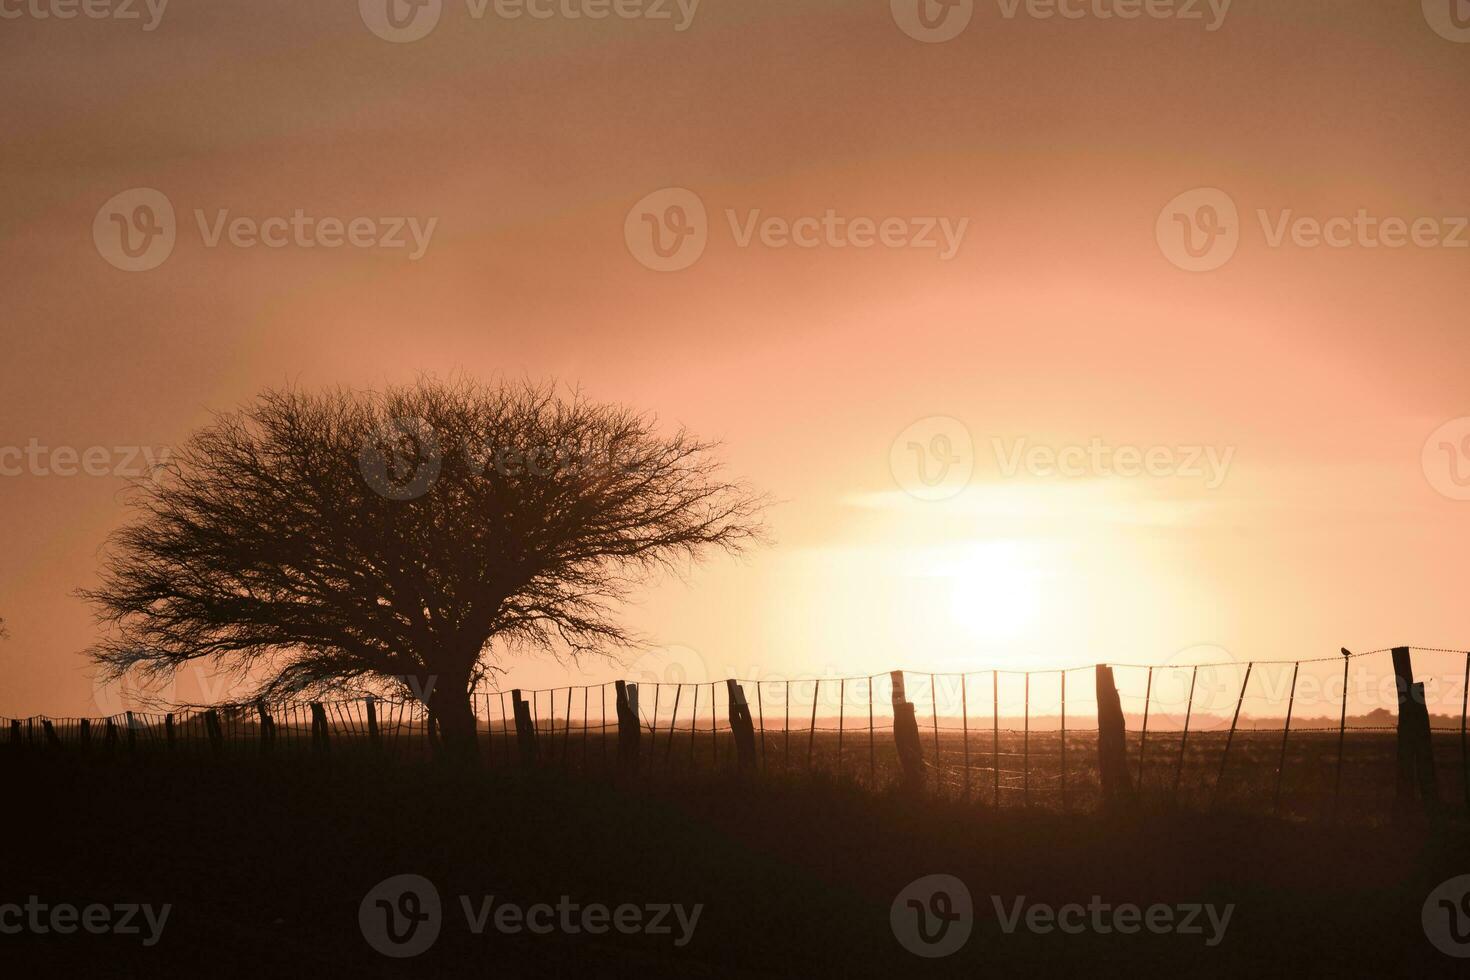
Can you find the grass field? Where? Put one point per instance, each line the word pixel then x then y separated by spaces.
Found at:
pixel 267 861
pixel 1303 783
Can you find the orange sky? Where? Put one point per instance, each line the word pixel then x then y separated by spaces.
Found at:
pixel 1059 320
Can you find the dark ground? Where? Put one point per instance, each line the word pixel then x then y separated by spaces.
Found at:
pixel 266 867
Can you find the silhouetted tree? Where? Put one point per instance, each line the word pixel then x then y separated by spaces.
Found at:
pixel 412 537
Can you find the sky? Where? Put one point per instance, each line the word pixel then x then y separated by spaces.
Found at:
pixel 1058 341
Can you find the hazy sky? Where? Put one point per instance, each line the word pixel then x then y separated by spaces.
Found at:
pixel 1297 497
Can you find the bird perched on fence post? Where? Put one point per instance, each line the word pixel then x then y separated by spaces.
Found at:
pixel 1346 652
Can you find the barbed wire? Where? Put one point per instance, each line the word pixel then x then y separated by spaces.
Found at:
pixel 193 710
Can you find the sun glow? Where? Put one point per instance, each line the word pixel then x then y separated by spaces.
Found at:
pixel 995 588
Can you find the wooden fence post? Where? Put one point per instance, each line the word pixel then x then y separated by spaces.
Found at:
pixel 132 731
pixel 1464 749
pixel 170 736
pixel 525 728
pixel 628 727
pixel 1416 773
pixel 52 741
pixel 741 725
pixel 906 735
pixel 375 738
pixel 86 732
pixel 17 733
pixel 216 734
pixel 320 739
pixel 109 737
pixel 1112 744
pixel 267 727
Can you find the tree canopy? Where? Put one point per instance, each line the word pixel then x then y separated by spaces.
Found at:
pixel 415 536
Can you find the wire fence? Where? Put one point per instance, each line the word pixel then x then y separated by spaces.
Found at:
pixel 1297 736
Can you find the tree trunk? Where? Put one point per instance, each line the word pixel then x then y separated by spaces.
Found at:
pixel 456 715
